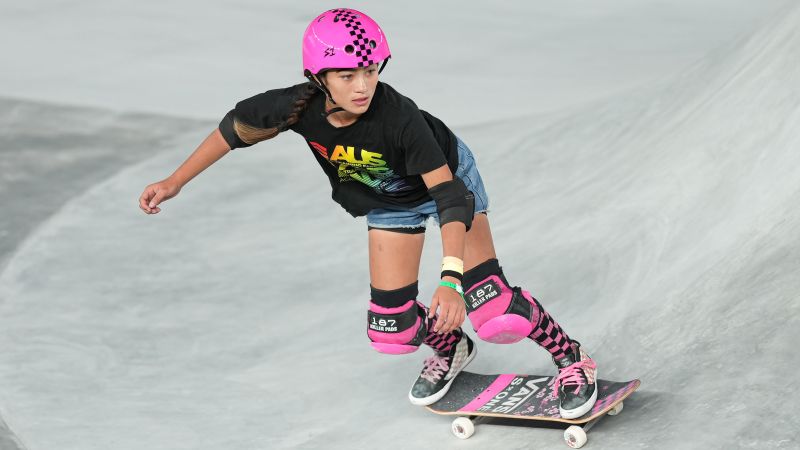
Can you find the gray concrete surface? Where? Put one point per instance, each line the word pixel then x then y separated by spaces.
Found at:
pixel 656 221
pixel 52 153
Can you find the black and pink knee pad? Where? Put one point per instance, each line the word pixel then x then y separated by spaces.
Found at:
pixel 396 322
pixel 499 313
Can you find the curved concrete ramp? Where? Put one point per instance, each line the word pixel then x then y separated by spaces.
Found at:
pixel 659 226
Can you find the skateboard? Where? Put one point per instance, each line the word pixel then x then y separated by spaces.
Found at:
pixel 475 398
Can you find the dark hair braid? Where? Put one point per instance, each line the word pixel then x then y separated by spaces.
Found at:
pixel 252 135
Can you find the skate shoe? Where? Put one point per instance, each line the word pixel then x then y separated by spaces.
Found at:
pixel 439 372
pixel 576 383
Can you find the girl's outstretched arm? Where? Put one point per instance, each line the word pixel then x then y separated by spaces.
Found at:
pixel 210 151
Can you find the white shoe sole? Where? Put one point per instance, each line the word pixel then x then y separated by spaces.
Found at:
pixel 438 395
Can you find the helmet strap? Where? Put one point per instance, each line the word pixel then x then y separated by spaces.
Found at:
pixel 383 64
pixel 318 83
pixel 332 111
pixel 321 86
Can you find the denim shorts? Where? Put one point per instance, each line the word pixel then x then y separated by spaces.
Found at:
pixel 412 220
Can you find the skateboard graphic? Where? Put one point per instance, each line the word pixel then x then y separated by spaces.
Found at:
pixel 474 398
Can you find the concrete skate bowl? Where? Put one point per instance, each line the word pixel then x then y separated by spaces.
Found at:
pixel 659 227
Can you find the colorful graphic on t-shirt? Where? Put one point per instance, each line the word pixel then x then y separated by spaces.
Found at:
pixel 365 166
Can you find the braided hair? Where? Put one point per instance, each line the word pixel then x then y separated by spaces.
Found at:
pixel 252 135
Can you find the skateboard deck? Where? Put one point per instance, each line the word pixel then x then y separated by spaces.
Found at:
pixel 523 397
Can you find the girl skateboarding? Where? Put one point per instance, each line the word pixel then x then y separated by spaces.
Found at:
pixel 398 165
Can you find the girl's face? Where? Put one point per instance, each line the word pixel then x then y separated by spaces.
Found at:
pixel 352 89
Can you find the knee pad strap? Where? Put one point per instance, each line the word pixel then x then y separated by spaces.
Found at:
pixel 499 313
pixel 397 330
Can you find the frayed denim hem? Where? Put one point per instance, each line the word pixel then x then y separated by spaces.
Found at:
pixel 389 227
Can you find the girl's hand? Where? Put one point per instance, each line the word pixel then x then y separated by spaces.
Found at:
pixel 452 310
pixel 156 193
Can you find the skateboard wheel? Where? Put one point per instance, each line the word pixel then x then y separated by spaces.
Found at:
pixel 575 436
pixel 463 428
pixel 616 410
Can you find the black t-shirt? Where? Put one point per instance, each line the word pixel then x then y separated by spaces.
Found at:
pixel 375 162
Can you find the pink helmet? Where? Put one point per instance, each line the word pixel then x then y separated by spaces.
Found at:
pixel 343 38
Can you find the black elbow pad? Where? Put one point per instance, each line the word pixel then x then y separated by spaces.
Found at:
pixel 454 202
pixel 226 127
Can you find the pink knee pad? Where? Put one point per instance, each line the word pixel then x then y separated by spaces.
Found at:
pixel 396 330
pixel 499 313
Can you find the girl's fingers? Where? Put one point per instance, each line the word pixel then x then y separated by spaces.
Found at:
pixel 434 305
pixel 455 319
pixel 432 314
pixel 451 319
pixel 441 323
pixel 146 200
pixel 451 316
pixel 156 199
pixel 458 321
pixel 143 200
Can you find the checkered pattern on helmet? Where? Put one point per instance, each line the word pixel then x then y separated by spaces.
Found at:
pixel 360 40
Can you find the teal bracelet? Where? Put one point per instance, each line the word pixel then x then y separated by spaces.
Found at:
pixel 454 286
